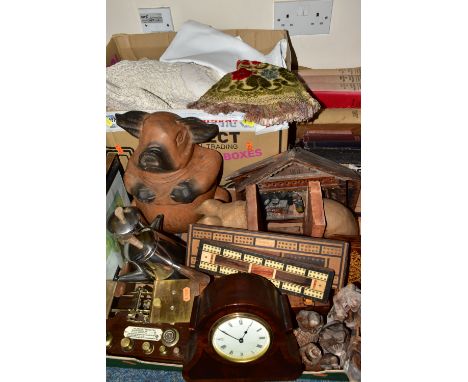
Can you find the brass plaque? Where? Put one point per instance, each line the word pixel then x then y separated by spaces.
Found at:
pixel 173 300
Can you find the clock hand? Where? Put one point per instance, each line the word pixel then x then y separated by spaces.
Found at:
pixel 230 335
pixel 246 330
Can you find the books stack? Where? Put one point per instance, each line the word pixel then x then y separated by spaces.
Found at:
pixel 334 134
pixel 334 88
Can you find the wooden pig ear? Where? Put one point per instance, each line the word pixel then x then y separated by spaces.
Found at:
pixel 131 121
pixel 200 131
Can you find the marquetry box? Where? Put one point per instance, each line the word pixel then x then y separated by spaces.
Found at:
pixel 324 253
pixel 291 171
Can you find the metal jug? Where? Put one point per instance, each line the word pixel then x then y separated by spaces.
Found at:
pixel 154 254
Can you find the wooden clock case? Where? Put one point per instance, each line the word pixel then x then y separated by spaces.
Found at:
pixel 246 293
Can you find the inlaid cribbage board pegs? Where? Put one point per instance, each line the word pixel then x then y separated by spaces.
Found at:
pixel 290 276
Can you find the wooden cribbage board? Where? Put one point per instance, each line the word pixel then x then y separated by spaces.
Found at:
pixel 289 276
pixel 323 253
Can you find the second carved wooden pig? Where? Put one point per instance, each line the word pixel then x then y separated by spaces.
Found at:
pixel 169 173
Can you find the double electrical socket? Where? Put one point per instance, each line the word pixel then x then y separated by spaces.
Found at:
pixel 156 19
pixel 304 17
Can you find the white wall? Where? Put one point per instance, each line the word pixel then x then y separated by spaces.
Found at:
pixel 340 48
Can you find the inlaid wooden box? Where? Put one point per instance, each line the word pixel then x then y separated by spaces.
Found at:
pixel 325 253
pixel 292 171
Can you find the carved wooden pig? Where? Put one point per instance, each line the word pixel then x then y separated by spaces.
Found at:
pixel 169 173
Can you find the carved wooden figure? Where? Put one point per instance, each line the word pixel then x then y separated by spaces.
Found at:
pixel 334 338
pixel 347 307
pixel 329 362
pixel 309 320
pixel 310 355
pixel 307 335
pixel 352 364
pixel 304 337
pixel 169 173
pixel 215 212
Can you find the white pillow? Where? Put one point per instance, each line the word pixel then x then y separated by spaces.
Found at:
pixel 204 45
pixel 278 55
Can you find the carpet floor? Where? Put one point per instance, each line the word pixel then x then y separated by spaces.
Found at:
pixel 119 374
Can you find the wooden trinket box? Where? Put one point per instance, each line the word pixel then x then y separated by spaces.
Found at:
pixel 288 174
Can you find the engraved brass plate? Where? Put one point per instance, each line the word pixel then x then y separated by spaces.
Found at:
pixel 173 300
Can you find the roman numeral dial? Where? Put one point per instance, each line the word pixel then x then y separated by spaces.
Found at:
pixel 241 337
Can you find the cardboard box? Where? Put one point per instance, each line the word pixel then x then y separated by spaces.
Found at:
pixel 345 121
pixel 153 45
pixel 240 142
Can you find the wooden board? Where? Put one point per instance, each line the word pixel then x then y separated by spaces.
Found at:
pixel 289 276
pixel 324 253
pixel 254 214
pixel 314 224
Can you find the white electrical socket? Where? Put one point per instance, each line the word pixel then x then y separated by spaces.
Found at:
pixel 156 19
pixel 303 17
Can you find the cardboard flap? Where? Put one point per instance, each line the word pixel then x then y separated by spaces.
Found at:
pixel 138 46
pixel 153 45
pixel 124 48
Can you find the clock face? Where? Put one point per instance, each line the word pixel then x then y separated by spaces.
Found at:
pixel 240 337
